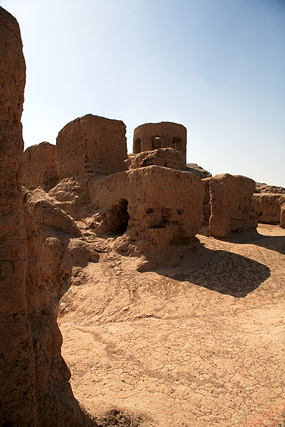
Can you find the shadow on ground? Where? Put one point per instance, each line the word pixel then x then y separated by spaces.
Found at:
pixel 218 270
pixel 274 243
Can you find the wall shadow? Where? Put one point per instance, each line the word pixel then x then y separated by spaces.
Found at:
pixel 224 272
pixel 274 243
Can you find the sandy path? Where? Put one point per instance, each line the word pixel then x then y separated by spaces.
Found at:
pixel 200 341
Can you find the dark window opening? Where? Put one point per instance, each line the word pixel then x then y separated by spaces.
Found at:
pixel 177 143
pixel 138 146
pixel 120 217
pixel 156 142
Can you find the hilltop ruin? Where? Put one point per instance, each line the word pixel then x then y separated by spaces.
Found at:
pixel 64 207
pixel 151 195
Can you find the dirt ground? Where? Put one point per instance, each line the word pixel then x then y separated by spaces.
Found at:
pixel 197 341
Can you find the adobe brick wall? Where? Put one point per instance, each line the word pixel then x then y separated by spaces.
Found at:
pixel 91 145
pixel 40 166
pixel 231 205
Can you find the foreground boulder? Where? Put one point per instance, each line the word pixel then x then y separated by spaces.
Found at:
pixel 231 205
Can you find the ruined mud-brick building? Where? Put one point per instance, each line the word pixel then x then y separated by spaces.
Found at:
pixel 151 136
pixel 155 204
pixel 151 194
pixel 153 201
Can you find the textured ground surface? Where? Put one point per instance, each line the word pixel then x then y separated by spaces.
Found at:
pixel 198 341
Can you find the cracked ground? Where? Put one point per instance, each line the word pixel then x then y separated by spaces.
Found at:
pixel 197 341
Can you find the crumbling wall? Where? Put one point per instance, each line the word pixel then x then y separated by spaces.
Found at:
pixel 91 145
pixel 17 376
pixel 58 240
pixel 261 187
pixel 162 205
pixel 267 207
pixel 55 403
pixel 231 205
pixel 72 196
pixel 150 136
pixel 34 380
pixel 40 166
pixel 166 157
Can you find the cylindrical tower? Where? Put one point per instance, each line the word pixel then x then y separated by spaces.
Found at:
pixel 150 136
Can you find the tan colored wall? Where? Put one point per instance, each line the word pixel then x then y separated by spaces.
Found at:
pixel 34 380
pixel 40 166
pixel 144 138
pixel 231 205
pixel 17 377
pixel 55 404
pixel 91 145
pixel 163 204
pixel 267 207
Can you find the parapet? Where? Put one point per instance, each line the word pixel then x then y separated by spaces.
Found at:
pixel 150 136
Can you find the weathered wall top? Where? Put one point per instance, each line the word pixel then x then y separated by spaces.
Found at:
pixel 150 136
pixel 91 145
pixel 40 168
pixel 231 204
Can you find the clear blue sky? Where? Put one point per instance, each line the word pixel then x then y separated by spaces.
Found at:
pixel 216 66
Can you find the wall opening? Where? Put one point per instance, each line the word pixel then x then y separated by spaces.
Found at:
pixel 138 146
pixel 120 217
pixel 156 142
pixel 177 143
